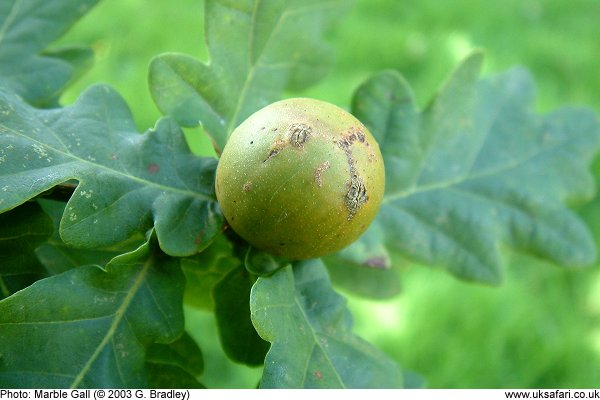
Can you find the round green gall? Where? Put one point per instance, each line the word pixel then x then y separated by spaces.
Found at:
pixel 300 178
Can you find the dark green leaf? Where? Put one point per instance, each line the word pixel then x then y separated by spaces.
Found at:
pixel 22 230
pixel 26 29
pixel 257 49
pixel 59 257
pixel 204 270
pixel 478 169
pixel 239 339
pixel 309 328
pixel 90 327
pixel 175 365
pixel 127 181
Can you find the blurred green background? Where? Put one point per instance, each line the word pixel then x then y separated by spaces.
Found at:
pixel 541 328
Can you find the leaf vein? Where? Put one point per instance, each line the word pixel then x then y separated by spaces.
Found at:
pixel 134 178
pixel 306 320
pixel 119 314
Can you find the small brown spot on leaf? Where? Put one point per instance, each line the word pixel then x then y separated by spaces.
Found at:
pixel 318 375
pixel 319 172
pixel 376 262
pixel 153 168
pixel 200 238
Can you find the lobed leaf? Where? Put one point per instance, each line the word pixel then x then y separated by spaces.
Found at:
pixel 57 257
pixel 127 182
pixel 257 49
pixel 478 169
pixel 90 327
pixel 27 27
pixel 309 328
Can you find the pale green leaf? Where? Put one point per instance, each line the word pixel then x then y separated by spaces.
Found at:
pixel 365 268
pixel 257 49
pixel 478 169
pixel 309 328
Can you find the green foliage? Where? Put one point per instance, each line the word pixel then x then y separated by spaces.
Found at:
pixel 256 52
pixel 175 365
pixel 26 28
pixel 204 270
pixel 106 233
pixel 309 327
pixel 57 256
pixel 365 267
pixel 19 267
pixel 477 168
pixel 232 310
pixel 125 179
pixel 84 326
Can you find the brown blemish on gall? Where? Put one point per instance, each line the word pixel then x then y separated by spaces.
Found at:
pixel 299 134
pixel 246 187
pixel 350 137
pixel 356 195
pixel 319 172
pixel 278 145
